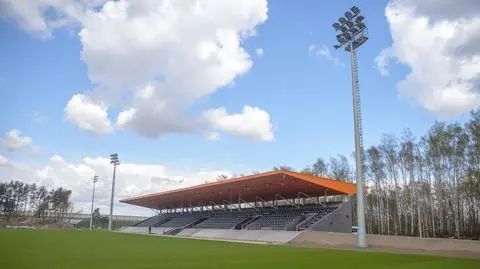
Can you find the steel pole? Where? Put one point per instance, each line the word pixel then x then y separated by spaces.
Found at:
pixel 93 199
pixel 362 240
pixel 111 199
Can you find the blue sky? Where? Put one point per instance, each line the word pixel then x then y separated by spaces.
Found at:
pixel 307 96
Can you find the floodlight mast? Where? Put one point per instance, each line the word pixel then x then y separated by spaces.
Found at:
pixel 115 161
pixel 95 179
pixel 353 35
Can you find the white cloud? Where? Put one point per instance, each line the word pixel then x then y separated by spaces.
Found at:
pixel 252 123
pixel 259 52
pixel 32 16
pixel 171 53
pixel 4 161
pixel 182 51
pixel 382 61
pixel 131 179
pixel 88 115
pixel 324 52
pixel 439 41
pixel 14 141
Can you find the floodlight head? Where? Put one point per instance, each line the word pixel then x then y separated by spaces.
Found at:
pixel 355 10
pixel 347 36
pixel 348 15
pixel 337 46
pixel 343 29
pixel 360 18
pixel 357 43
pixel 336 25
pixel 341 39
pixel 361 26
pixel 95 179
pixel 114 159
pixel 342 20
pixel 353 30
pixel 350 24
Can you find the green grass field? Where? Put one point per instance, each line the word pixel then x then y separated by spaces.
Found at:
pixel 37 249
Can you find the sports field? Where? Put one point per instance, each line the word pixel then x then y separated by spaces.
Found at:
pixel 37 249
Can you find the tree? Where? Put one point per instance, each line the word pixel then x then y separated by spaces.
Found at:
pixel 320 168
pixel 307 171
pixel 283 168
pixel 17 198
pixel 340 168
pixel 221 177
pixel 422 186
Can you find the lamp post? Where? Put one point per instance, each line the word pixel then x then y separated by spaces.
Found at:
pixel 115 161
pixel 95 179
pixel 352 34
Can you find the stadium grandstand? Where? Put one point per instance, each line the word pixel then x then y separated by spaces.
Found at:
pixel 271 201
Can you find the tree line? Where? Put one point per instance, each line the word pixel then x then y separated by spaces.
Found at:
pixel 427 186
pixel 17 199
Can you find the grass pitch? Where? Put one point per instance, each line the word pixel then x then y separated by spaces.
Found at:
pixel 37 249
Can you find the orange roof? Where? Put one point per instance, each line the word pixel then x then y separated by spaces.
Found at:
pixel 265 185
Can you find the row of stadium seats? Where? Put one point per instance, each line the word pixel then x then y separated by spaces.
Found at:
pixel 154 221
pixel 275 221
pixel 222 222
pixel 180 220
pixel 255 219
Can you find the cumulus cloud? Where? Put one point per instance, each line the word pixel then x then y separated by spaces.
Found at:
pixel 131 179
pixel 439 41
pixel 13 140
pixel 324 52
pixel 180 51
pixel 253 122
pixel 88 115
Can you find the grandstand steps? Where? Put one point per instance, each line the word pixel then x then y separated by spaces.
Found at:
pixel 308 218
pixel 312 219
pixel 244 224
pixel 173 231
pixel 292 226
pixel 191 224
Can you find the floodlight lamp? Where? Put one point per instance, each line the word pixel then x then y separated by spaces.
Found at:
pixel 336 25
pixel 361 26
pixel 341 39
pixel 342 20
pixel 343 29
pixel 347 36
pixel 350 24
pixel 353 30
pixel 360 18
pixel 355 10
pixel 348 15
pixel 357 43
pixel 337 46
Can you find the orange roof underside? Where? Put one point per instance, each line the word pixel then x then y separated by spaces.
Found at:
pixel 265 185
